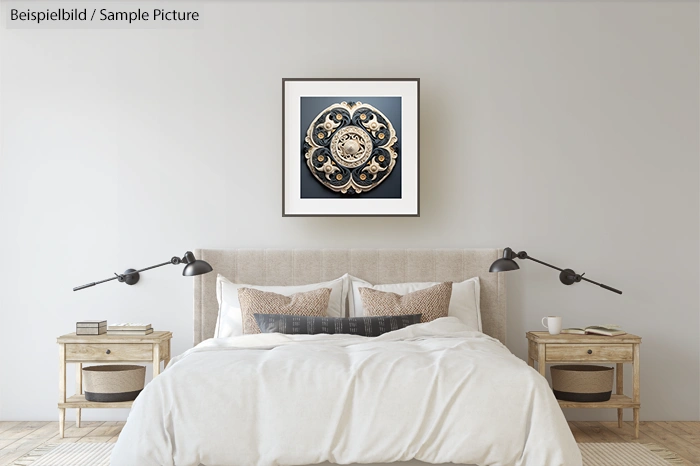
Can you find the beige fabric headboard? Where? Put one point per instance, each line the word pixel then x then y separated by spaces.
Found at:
pixel 303 266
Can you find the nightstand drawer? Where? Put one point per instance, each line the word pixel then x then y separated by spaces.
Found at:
pixel 109 352
pixel 593 353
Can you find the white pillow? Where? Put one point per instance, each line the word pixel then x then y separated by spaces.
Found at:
pixel 229 322
pixel 464 302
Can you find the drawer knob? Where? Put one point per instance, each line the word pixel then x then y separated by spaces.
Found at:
pixel 590 351
pixel 110 351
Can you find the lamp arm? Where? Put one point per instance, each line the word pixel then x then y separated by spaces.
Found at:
pixel 540 262
pixel 88 285
pixel 157 265
pixel 609 288
pixel 574 276
pixel 174 260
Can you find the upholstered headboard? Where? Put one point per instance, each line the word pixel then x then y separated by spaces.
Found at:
pixel 303 266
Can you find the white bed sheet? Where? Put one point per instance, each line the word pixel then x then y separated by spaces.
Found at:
pixel 433 392
pixel 398 463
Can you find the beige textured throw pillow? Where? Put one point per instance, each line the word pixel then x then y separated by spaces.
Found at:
pixel 433 302
pixel 308 303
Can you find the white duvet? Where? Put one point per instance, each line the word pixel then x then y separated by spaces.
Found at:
pixel 435 392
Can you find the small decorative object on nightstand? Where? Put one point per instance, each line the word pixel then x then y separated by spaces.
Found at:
pixel 91 327
pixel 568 348
pixel 81 349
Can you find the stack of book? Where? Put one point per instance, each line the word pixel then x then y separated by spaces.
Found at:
pixel 91 327
pixel 607 330
pixel 129 329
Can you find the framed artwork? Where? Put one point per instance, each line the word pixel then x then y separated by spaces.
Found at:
pixel 350 147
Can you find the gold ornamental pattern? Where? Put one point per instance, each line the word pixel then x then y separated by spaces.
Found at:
pixel 351 147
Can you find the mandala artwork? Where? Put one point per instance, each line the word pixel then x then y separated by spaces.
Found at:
pixel 351 147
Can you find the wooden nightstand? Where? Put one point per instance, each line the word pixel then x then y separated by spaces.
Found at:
pixel 80 349
pixel 567 348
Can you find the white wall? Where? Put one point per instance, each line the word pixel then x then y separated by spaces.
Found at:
pixel 566 129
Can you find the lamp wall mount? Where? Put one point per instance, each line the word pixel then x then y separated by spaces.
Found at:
pixel 130 277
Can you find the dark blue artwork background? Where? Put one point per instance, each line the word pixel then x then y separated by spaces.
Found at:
pixel 311 188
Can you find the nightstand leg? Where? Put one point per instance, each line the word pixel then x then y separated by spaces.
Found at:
pixel 61 387
pixel 78 390
pixel 635 389
pixel 619 375
pixel 541 366
pixel 166 361
pixel 61 421
pixel 156 359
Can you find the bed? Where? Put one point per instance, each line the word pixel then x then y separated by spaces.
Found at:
pixel 436 393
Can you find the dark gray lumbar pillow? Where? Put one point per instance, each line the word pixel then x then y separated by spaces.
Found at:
pixel 311 325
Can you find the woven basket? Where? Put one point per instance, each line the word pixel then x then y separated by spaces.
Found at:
pixel 582 383
pixel 113 383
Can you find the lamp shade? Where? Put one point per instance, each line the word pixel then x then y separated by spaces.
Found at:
pixel 197 267
pixel 503 265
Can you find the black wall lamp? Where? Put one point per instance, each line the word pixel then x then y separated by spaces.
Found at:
pixel 131 276
pixel 566 276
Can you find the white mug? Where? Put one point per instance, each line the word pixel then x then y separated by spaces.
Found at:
pixel 553 324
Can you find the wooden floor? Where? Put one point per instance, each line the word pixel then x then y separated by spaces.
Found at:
pixel 19 438
pixel 683 438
